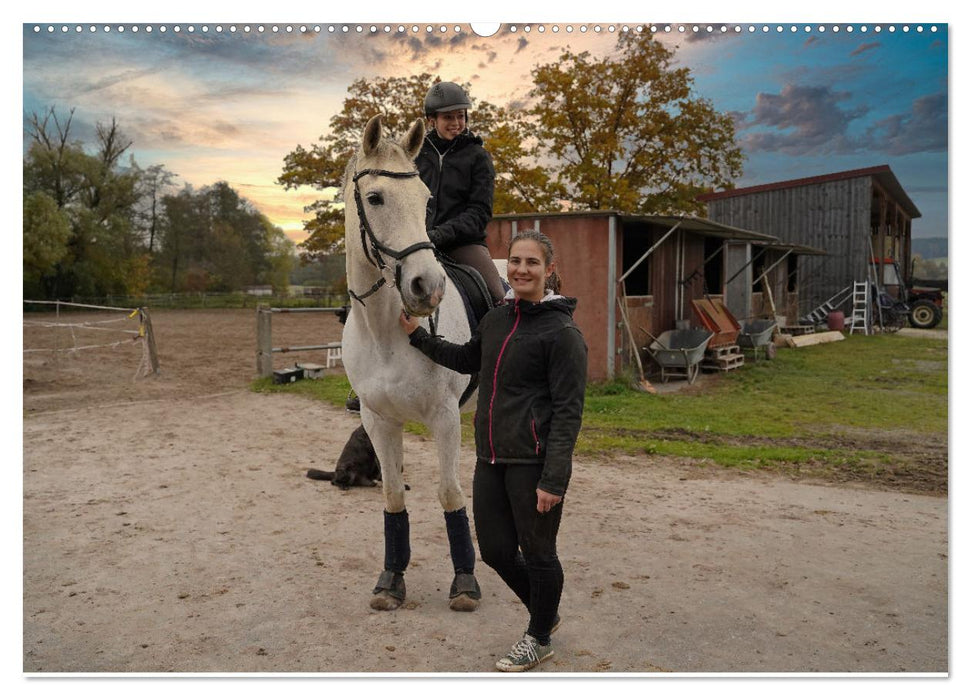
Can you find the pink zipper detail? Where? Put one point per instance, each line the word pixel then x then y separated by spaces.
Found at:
pixel 532 426
pixel 495 379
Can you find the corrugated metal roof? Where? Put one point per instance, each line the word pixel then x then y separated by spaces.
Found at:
pixel 688 222
pixel 700 225
pixel 881 173
pixel 795 248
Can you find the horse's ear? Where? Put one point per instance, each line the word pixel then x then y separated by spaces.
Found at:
pixel 412 141
pixel 372 135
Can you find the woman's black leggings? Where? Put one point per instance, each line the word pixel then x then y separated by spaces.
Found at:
pixel 517 541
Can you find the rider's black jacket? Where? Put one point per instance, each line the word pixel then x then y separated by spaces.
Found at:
pixel 460 175
pixel 532 365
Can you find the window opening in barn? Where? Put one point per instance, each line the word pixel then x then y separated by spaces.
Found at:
pixel 758 267
pixel 715 265
pixel 792 274
pixel 637 241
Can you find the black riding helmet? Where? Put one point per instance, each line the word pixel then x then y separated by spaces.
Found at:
pixel 444 97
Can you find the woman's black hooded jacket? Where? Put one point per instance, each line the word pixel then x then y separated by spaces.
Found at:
pixel 532 365
pixel 460 175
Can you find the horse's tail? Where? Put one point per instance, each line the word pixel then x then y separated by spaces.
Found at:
pixel 320 475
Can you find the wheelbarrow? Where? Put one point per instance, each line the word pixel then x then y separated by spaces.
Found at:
pixel 679 352
pixel 757 334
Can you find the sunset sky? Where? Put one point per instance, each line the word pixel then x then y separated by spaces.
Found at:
pixel 225 101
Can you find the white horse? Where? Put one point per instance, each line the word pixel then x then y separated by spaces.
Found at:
pixel 391 264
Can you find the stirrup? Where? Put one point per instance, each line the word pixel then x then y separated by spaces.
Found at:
pixel 392 583
pixel 465 583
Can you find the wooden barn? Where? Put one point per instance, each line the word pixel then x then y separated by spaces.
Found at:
pixel 636 275
pixel 767 281
pixel 858 217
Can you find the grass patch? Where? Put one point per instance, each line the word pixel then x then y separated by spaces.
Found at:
pixel 886 382
pixel 332 389
pixel 849 407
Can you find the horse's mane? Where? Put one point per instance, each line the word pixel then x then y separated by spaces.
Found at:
pixel 348 173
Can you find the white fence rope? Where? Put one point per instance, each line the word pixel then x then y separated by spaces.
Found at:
pixel 83 347
pixel 80 306
pixel 114 331
pixel 84 324
pixel 148 363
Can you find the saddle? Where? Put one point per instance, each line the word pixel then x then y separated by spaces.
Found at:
pixel 476 299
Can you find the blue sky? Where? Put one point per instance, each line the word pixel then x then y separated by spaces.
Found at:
pixel 224 103
pixel 817 102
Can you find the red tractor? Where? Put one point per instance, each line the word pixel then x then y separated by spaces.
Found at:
pixel 926 302
pixel 924 298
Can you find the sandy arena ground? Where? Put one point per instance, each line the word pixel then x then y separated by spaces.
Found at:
pixel 169 527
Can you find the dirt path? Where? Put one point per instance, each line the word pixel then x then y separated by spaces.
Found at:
pixel 168 526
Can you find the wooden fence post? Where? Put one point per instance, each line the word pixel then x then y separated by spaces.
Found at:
pixel 264 341
pixel 150 341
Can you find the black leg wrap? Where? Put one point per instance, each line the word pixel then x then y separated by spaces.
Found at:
pixel 460 541
pixel 465 583
pixel 392 583
pixel 397 549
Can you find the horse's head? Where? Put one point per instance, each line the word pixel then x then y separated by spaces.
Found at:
pixel 385 203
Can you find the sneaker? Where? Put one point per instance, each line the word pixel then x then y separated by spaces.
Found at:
pixel 524 655
pixel 353 405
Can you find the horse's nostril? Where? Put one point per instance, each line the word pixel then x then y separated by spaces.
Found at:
pixel 418 287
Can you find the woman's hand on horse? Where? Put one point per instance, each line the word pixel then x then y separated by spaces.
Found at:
pixel 545 501
pixel 409 323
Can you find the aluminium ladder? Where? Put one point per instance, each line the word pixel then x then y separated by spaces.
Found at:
pixel 860 320
pixel 821 312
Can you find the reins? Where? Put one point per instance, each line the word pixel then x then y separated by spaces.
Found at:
pixel 376 248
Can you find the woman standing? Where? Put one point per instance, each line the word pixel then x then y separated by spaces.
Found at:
pixel 532 364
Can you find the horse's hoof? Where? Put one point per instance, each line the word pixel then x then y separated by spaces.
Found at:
pixel 464 594
pixel 389 594
pixel 463 603
pixel 383 601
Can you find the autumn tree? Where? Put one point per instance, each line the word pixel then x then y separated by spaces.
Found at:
pixel 522 185
pixel 626 131
pixel 623 132
pixel 398 100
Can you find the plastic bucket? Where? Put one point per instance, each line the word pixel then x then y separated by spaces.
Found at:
pixel 836 321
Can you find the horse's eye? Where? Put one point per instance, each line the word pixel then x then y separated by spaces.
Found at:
pixel 375 199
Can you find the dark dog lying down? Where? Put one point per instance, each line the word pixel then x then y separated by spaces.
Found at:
pixel 357 465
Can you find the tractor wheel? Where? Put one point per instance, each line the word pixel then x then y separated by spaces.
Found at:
pixel 925 314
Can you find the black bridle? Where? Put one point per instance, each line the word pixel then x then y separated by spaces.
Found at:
pixel 376 248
